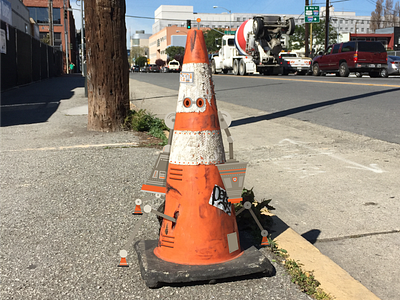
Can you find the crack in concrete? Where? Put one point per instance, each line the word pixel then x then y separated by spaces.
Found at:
pixel 356 236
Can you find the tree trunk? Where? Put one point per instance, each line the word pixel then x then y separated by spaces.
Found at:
pixel 107 64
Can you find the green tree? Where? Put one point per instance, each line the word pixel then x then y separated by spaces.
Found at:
pixel 46 39
pixel 210 36
pixel 141 61
pixel 172 51
pixel 318 34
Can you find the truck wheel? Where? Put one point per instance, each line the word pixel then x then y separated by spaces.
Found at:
pixel 315 70
pixel 213 68
pixel 344 70
pixel 242 68
pixel 291 26
pixel 384 73
pixel 258 27
pixel 235 67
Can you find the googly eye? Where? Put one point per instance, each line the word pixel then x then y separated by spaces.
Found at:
pixel 200 102
pixel 187 102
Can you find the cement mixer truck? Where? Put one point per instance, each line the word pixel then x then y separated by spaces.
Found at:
pixel 255 47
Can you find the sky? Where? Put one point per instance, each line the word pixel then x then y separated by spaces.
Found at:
pixel 146 9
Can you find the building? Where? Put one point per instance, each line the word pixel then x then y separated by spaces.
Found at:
pixel 168 36
pixel 389 37
pixel 63 25
pixel 14 13
pixel 169 15
pixel 139 44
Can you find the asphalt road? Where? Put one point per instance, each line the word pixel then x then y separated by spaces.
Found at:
pixel 366 106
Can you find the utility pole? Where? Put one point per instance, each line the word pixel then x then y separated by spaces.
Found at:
pixel 327 24
pixel 82 40
pixel 107 64
pixel 307 35
pixel 51 28
pixel 66 35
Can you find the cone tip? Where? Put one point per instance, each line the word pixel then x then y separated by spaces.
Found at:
pixel 196 50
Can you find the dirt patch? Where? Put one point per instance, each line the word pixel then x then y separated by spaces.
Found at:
pixel 149 141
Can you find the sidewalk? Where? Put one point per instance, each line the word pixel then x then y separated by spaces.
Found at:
pixel 336 189
pixel 67 197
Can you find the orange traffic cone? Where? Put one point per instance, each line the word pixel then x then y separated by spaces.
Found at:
pixel 264 241
pixel 205 231
pixel 123 262
pixel 138 210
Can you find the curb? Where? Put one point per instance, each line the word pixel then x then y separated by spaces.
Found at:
pixel 334 280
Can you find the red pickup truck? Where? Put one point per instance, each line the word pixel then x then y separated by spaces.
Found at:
pixel 353 56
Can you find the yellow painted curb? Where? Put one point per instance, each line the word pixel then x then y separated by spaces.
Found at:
pixel 334 280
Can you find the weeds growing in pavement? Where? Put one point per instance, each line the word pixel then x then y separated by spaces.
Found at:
pixel 304 279
pixel 144 121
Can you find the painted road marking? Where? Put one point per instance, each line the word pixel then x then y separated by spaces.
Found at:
pixel 320 81
pixel 372 167
pixel 73 147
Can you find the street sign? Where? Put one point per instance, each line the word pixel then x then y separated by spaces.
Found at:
pixel 229 31
pixel 311 14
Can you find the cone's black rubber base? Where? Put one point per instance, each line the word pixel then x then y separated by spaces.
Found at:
pixel 156 272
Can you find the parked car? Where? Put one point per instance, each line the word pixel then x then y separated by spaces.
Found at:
pixel 353 56
pixel 393 66
pixel 154 68
pixel 174 66
pixel 164 69
pixel 144 69
pixel 135 68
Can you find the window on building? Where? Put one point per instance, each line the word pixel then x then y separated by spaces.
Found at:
pixel 362 22
pixel 56 16
pixel 57 39
pixel 244 19
pixel 351 22
pixel 41 15
pixel 238 19
pixel 346 28
pixel 362 29
pixel 341 21
pixel 347 22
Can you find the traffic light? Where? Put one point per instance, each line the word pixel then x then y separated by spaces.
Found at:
pixel 188 24
pixel 65 13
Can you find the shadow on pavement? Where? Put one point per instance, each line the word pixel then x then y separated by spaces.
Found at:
pixel 312 235
pixel 307 107
pixel 36 103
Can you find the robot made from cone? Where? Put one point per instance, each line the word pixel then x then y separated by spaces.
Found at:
pixel 205 231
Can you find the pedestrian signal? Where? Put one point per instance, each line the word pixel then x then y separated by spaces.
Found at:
pixel 188 24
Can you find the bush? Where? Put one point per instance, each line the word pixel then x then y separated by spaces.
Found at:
pixel 142 120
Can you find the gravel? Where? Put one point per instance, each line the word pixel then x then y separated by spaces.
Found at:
pixel 66 213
